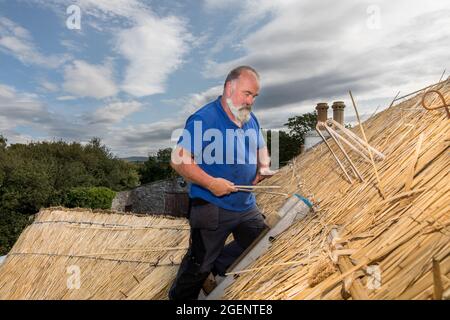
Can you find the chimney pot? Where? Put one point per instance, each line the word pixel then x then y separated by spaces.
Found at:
pixel 322 111
pixel 338 111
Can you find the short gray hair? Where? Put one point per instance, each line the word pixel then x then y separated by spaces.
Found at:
pixel 236 72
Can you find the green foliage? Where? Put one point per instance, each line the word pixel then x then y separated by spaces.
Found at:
pixel 290 142
pixel 11 225
pixel 299 125
pixel 288 146
pixel 85 197
pixel 43 174
pixel 157 167
pixel 3 142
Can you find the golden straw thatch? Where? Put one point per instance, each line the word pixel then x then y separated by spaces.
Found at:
pixel 357 244
pixel 117 256
pixel 400 236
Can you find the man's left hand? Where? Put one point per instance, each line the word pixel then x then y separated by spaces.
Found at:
pixel 262 174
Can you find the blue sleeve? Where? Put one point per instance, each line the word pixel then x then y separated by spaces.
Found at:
pixel 188 139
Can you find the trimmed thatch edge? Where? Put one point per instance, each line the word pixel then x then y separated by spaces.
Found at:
pixel 107 211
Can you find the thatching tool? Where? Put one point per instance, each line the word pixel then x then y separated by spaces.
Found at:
pixel 294 209
pixel 258 187
pixel 358 145
pixel 262 191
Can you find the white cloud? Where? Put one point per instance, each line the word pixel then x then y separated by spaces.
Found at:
pixel 198 100
pixel 114 112
pixel 247 15
pixel 20 109
pixel 18 42
pixel 28 110
pixel 306 52
pixel 154 49
pixel 107 9
pixel 191 102
pixel 73 46
pixel 144 138
pixel 7 92
pixel 18 103
pixel 310 51
pixel 153 46
pixel 221 4
pixel 65 98
pixel 86 80
pixel 48 86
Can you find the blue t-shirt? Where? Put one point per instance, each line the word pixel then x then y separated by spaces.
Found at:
pixel 223 150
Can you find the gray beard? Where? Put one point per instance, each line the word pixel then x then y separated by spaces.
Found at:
pixel 241 114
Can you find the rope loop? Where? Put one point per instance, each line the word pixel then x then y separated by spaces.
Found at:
pixel 441 96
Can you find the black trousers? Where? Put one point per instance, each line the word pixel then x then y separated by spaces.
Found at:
pixel 210 228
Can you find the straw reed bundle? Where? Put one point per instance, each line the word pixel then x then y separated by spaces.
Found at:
pixel 405 234
pixel 402 234
pixel 80 254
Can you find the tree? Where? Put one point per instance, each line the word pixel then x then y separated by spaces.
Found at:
pixel 3 141
pixel 290 142
pixel 157 167
pixel 299 125
pixel 42 174
pixel 288 146
pixel 11 226
pixel 94 198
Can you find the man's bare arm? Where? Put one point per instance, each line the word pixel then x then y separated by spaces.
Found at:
pixel 263 158
pixel 183 163
pixel 263 170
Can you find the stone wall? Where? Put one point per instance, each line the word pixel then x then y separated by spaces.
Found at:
pixel 167 197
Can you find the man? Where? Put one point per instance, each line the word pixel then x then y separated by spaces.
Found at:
pixel 236 156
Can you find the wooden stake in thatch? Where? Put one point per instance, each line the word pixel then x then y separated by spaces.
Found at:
pixel 380 187
pixel 401 235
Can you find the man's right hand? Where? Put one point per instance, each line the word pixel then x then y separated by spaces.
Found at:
pixel 220 187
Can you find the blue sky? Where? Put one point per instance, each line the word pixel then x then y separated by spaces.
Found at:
pixel 136 69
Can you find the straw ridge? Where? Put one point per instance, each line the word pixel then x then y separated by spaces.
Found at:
pixel 42 262
pixel 352 233
pixel 399 236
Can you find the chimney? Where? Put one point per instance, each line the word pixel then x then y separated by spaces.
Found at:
pixel 338 111
pixel 322 111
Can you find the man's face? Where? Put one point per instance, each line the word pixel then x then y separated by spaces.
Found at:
pixel 241 95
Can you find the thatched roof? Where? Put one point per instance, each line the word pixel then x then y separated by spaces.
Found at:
pixel 400 234
pixel 117 256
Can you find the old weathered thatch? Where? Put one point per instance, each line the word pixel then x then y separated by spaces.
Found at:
pixel 392 244
pixel 80 254
pixel 396 247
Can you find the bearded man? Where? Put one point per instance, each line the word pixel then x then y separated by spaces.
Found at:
pixel 221 147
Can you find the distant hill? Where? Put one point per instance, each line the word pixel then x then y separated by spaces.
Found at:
pixel 135 159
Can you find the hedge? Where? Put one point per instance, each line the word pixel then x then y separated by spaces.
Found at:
pixel 90 197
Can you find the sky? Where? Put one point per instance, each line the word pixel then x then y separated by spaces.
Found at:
pixel 130 72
